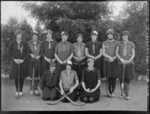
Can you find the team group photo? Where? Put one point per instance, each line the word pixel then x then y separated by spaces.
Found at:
pixel 74 56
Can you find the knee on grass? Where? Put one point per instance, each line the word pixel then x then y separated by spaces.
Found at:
pixel 84 99
pixel 91 99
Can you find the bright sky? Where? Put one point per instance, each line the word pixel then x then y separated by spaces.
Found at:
pixel 118 7
pixel 11 9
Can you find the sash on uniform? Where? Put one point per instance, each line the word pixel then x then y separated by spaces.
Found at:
pixel 93 47
pixel 79 51
pixel 125 49
pixel 64 47
pixel 49 45
pixel 35 45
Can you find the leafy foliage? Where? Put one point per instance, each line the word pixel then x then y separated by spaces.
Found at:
pixel 7 35
pixel 83 17
pixel 73 17
pixel 136 24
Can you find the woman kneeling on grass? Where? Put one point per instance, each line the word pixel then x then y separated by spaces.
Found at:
pixel 49 81
pixel 90 83
pixel 69 82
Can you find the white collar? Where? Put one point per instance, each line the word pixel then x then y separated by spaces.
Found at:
pixel 111 40
pixel 49 40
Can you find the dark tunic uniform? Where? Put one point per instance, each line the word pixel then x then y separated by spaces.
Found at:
pixel 35 63
pixel 16 53
pixel 48 83
pixel 129 68
pixel 48 51
pixel 94 51
pixel 90 78
pixel 109 69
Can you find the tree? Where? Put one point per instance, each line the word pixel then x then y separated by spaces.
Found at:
pixel 136 14
pixel 39 30
pixel 73 17
pixel 7 34
pixel 27 29
pixel 83 17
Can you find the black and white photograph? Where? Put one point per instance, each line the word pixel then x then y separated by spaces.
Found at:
pixel 74 55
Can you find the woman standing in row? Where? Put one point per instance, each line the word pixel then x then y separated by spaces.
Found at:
pixel 79 58
pixel 47 51
pixel 19 51
pixel 63 52
pixel 125 53
pixel 93 49
pixel 34 62
pixel 110 65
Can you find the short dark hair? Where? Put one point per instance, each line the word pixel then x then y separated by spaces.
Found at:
pixel 90 59
pixel 18 32
pixel 53 64
pixel 34 33
pixel 49 31
pixel 126 33
pixel 110 31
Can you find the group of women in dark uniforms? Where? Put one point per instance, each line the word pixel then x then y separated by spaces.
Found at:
pixel 73 69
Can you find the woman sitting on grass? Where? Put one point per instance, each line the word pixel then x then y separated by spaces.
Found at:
pixel 49 82
pixel 69 82
pixel 90 83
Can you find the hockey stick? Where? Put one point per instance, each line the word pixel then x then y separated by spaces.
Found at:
pixel 33 75
pixel 56 101
pixel 133 69
pixel 72 102
pixel 122 83
pixel 18 81
pixel 107 80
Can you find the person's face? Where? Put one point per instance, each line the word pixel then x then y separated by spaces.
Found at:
pixel 64 38
pixel 79 39
pixel 91 63
pixel 52 69
pixel 125 37
pixel 19 37
pixel 94 37
pixel 34 37
pixel 110 36
pixel 68 67
pixel 49 36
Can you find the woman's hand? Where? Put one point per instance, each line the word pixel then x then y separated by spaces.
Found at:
pixel 93 90
pixel 37 57
pixel 48 60
pixel 21 60
pixel 111 59
pixel 33 56
pixel 71 90
pixel 62 92
pixel 88 90
pixel 17 61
